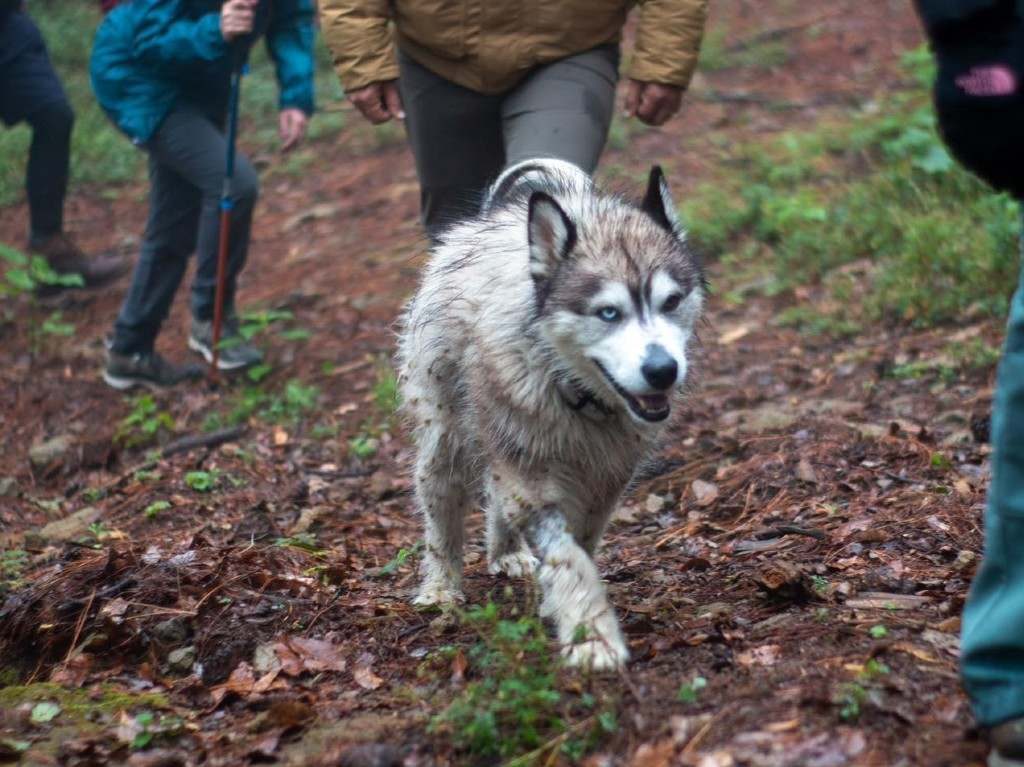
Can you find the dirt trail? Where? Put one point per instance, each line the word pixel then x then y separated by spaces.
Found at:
pixel 804 546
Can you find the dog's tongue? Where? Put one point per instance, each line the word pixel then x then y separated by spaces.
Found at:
pixel 653 401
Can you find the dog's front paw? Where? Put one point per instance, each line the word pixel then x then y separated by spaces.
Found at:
pixel 437 594
pixel 514 565
pixel 597 654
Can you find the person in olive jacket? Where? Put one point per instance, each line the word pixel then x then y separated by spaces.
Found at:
pixel 483 85
pixel 979 100
pixel 161 71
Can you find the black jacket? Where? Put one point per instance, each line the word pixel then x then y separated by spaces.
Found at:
pixel 981 125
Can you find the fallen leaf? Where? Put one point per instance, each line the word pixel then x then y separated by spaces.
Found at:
pixel 765 655
pixel 299 654
pixel 787 726
pixel 44 712
pixel 74 672
pixel 241 683
pixel 734 334
pixel 805 472
pixel 280 437
pixel 915 651
pixel 363 673
pixel 459 665
pixel 704 493
pixel 660 754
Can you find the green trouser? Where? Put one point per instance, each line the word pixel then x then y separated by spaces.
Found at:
pixel 992 647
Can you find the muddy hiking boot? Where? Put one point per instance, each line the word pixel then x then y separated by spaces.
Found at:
pixel 65 257
pixel 1007 744
pixel 235 351
pixel 126 371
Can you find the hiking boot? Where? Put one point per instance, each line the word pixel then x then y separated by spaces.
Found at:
pixel 235 351
pixel 125 371
pixel 1007 744
pixel 65 257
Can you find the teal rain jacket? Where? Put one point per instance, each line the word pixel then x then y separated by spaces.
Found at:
pixel 150 54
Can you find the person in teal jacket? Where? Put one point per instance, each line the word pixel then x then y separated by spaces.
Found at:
pixel 161 71
pixel 979 100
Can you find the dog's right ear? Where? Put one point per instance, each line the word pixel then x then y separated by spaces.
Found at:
pixel 552 236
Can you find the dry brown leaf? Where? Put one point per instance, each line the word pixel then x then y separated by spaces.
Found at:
pixel 765 655
pixel 733 334
pixel 363 673
pixel 299 654
pixel 459 666
pixel 917 652
pixel 659 754
pixel 805 472
pixel 241 683
pixel 786 726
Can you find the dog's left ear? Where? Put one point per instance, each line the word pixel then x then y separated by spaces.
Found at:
pixel 658 203
pixel 552 236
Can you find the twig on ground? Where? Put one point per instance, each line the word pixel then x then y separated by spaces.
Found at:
pixel 192 441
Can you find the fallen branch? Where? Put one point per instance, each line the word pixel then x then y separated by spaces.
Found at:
pixel 192 441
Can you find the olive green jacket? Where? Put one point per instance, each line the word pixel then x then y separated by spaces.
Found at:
pixel 489 45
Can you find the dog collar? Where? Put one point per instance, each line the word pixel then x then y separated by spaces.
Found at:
pixel 581 400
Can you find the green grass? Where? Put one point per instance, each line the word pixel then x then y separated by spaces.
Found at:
pixel 873 208
pixel 100 155
pixel 513 707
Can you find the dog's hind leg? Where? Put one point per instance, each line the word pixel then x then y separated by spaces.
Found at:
pixel 443 493
pixel 574 596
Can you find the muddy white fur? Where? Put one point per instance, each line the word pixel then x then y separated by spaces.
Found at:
pixel 540 362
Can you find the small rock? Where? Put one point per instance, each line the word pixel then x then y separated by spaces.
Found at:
pixel 443 623
pixel 51 452
pixel 371 755
pixel 654 503
pixel 182 659
pixel 171 632
pixel 8 487
pixel 70 528
pixel 704 493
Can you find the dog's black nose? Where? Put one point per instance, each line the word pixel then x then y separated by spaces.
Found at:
pixel 659 368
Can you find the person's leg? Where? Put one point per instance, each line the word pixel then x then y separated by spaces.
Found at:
pixel 455 135
pixel 992 650
pixel 169 239
pixel 47 174
pixel 563 110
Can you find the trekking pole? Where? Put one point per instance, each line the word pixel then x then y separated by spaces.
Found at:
pixel 226 205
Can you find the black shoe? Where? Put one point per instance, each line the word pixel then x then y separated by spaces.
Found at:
pixel 125 371
pixel 235 351
pixel 66 258
pixel 1007 744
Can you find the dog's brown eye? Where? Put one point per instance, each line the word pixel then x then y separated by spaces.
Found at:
pixel 671 303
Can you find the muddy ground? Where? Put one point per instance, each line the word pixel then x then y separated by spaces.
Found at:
pixel 804 545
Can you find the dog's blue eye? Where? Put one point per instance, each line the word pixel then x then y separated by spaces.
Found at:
pixel 671 303
pixel 609 314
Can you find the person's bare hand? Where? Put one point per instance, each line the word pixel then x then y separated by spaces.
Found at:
pixel 291 127
pixel 379 102
pixel 653 103
pixel 236 18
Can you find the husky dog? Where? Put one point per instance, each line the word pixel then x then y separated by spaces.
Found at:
pixel 540 362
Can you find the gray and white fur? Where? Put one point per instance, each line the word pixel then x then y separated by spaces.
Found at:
pixel 540 362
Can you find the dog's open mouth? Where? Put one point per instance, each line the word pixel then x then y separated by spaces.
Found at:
pixel 649 407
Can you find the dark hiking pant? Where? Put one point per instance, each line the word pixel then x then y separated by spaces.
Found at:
pixel 31 92
pixel 462 139
pixel 186 171
pixel 992 646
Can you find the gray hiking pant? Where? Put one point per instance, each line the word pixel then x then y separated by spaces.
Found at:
pixel 462 139
pixel 186 171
